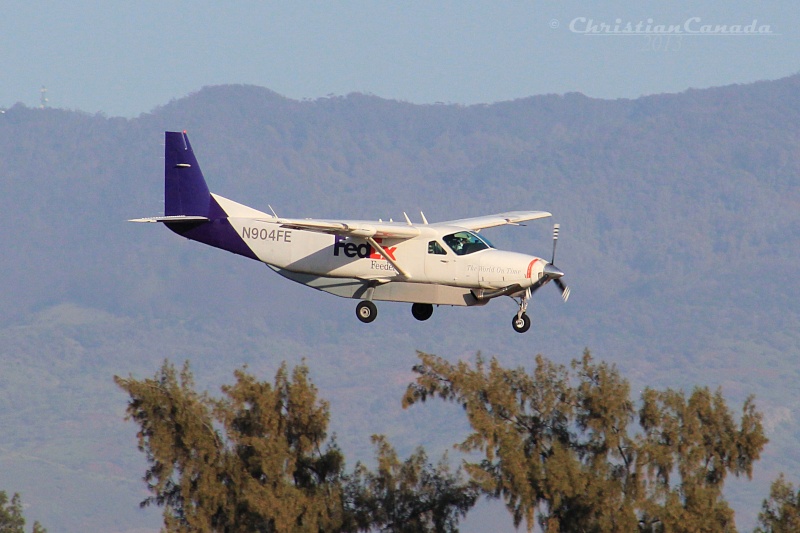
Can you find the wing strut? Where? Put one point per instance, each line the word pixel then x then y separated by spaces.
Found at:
pixel 378 248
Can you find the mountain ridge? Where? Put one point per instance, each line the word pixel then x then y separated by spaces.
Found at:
pixel 680 234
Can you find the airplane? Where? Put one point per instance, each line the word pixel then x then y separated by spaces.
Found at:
pixel 443 263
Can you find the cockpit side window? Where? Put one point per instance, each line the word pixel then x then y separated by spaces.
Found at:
pixel 436 248
pixel 466 242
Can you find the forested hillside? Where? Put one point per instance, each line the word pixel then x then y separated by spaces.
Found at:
pixel 680 239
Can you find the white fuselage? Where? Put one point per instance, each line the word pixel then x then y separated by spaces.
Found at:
pixel 324 255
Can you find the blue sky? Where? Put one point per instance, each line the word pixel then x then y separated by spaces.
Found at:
pixel 125 58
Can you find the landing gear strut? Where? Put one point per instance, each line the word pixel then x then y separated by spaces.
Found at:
pixel 366 311
pixel 521 323
pixel 422 311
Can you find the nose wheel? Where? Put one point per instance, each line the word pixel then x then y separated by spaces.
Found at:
pixel 521 323
pixel 366 311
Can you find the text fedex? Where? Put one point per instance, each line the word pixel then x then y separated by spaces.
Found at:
pixel 342 246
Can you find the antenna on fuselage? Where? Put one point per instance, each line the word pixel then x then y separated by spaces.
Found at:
pixel 424 220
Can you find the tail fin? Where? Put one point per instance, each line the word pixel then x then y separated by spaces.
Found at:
pixel 190 209
pixel 185 189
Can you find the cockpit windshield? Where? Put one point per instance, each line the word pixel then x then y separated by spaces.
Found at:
pixel 466 242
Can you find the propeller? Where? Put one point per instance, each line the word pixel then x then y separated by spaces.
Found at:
pixel 551 272
pixel 556 227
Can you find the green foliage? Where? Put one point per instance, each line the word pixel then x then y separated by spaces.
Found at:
pixel 267 473
pixel 559 443
pixel 698 439
pixel 412 496
pixel 11 518
pixel 278 469
pixel 781 512
pixel 257 460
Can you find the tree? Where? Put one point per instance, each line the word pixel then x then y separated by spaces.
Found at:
pixel 698 439
pixel 258 459
pixel 11 518
pixel 412 496
pixel 558 444
pixel 781 513
pixel 271 469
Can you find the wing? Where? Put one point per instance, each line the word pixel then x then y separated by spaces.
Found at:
pixel 490 221
pixel 398 230
pixel 353 228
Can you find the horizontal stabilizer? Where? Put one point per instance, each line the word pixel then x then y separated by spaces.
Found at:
pixel 175 219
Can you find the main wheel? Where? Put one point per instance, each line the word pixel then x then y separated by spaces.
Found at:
pixel 521 324
pixel 422 311
pixel 366 311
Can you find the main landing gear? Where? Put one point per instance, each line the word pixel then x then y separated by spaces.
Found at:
pixel 366 311
pixel 422 311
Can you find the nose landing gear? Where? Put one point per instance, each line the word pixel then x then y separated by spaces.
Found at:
pixel 521 322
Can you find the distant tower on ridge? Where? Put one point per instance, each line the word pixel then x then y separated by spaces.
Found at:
pixel 43 97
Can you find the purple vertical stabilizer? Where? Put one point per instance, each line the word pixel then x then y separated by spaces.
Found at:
pixel 185 189
pixel 186 193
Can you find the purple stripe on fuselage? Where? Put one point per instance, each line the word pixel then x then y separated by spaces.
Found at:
pixel 217 232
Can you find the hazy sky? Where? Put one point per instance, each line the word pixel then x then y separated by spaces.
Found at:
pixel 125 58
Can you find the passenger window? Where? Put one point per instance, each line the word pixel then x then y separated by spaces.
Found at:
pixel 436 248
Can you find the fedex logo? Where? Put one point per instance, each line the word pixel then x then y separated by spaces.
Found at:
pixel 350 249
